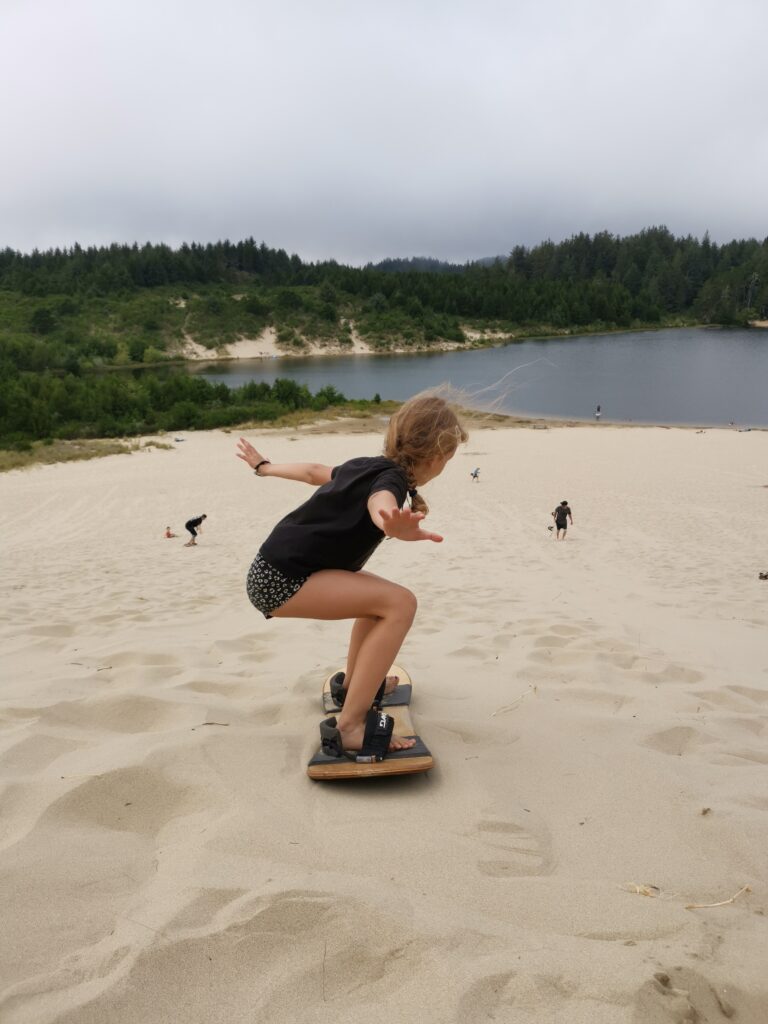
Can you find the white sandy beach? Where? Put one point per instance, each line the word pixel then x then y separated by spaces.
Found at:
pixel 597 709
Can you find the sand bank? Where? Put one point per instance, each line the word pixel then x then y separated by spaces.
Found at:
pixel 265 346
pixel 597 709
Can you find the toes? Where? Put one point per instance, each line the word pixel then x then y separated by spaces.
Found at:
pixel 401 744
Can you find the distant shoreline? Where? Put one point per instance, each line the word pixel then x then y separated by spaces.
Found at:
pixel 265 346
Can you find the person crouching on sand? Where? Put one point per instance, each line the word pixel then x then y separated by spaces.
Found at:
pixel 311 565
pixel 194 526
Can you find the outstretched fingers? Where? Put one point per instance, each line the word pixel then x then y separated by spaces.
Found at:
pixel 404 524
pixel 248 453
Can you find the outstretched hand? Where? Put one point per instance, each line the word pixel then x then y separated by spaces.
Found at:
pixel 248 453
pixel 406 525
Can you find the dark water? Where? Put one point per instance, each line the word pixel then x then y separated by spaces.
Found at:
pixel 690 375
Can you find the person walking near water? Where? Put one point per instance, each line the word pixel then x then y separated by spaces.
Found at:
pixel 597 414
pixel 561 515
pixel 194 526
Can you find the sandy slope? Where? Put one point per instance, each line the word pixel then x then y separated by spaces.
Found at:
pixel 164 858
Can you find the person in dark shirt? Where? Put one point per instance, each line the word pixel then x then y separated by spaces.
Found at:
pixel 311 565
pixel 561 515
pixel 194 526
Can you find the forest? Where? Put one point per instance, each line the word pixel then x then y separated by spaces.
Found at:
pixel 70 317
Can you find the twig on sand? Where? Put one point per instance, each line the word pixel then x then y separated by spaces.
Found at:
pixel 515 702
pixel 653 891
pixel 722 903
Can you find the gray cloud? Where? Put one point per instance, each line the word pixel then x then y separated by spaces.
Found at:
pixel 357 130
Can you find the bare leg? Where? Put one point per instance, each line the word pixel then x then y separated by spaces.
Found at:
pixel 360 631
pixel 385 611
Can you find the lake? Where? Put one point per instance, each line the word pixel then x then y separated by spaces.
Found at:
pixel 703 376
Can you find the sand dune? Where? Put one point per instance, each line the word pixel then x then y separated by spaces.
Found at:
pixel 598 711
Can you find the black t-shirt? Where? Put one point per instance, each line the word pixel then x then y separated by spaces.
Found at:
pixel 561 515
pixel 195 522
pixel 334 530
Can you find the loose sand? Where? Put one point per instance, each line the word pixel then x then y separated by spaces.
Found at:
pixel 597 708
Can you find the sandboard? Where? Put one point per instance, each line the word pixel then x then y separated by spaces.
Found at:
pixel 398 762
pixel 400 695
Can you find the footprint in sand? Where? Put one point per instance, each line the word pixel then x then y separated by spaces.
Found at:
pixel 759 697
pixel 673 674
pixel 129 714
pixel 136 799
pixel 33 754
pixel 679 740
pixel 516 996
pixel 680 995
pixel 205 906
pixel 313 962
pixel 519 850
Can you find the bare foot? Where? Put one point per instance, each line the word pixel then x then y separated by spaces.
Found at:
pixel 390 683
pixel 352 739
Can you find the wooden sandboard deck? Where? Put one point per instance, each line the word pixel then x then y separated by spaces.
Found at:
pixel 398 762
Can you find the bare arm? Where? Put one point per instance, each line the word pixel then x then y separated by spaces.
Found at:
pixel 305 472
pixel 396 522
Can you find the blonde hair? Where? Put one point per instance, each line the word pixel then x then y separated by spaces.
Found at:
pixel 423 428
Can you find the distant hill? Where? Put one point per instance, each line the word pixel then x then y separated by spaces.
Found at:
pixel 429 265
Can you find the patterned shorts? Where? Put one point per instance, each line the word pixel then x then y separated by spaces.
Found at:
pixel 268 588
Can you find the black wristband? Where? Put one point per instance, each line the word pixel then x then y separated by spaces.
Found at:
pixel 264 462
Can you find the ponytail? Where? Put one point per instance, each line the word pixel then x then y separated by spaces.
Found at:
pixel 417 502
pixel 423 428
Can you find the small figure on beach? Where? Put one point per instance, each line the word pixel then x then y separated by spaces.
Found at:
pixel 309 567
pixel 561 515
pixel 194 526
pixel 168 533
pixel 597 414
pixel 475 474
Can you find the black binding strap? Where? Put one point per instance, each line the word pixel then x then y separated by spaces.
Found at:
pixel 339 693
pixel 378 733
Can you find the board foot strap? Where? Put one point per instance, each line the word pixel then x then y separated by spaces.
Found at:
pixel 378 733
pixel 339 693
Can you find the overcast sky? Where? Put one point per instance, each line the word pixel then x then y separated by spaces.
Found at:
pixel 359 129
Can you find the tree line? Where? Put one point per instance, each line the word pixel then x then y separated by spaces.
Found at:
pixel 42 406
pixel 67 315
pixel 586 278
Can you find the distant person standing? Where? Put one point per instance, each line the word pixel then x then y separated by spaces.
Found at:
pixel 475 474
pixel 597 414
pixel 561 515
pixel 194 526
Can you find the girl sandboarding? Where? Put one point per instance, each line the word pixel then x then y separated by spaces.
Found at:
pixel 311 565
